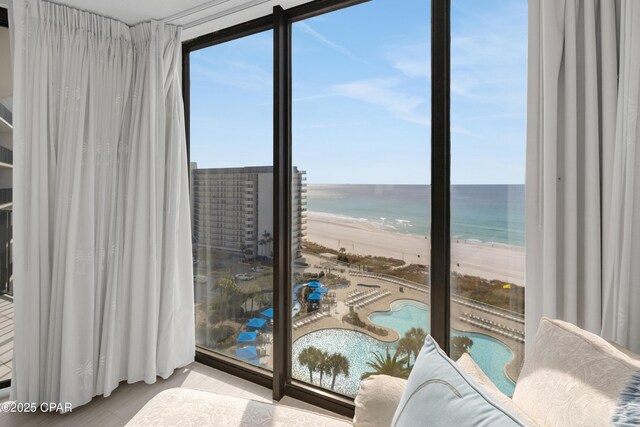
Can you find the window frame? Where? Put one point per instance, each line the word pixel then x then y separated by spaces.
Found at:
pixel 280 21
pixel 4 22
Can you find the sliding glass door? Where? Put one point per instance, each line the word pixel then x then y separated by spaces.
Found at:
pixel 360 194
pixel 232 197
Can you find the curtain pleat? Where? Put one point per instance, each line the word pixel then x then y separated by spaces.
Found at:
pixel 621 276
pixel 102 264
pixel 582 218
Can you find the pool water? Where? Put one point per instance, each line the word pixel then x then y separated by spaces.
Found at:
pixel 343 341
pixel 490 354
pixel 404 315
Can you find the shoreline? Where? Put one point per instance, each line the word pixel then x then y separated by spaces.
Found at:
pixel 378 225
pixel 492 261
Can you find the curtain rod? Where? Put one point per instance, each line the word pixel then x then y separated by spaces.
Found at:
pixel 209 5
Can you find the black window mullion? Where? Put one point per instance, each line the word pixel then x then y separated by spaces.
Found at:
pixel 282 200
pixel 440 172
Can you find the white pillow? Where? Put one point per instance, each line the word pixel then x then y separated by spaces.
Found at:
pixel 474 371
pixel 440 393
pixel 571 377
pixel 377 400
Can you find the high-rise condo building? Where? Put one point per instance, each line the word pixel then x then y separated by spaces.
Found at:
pixel 232 209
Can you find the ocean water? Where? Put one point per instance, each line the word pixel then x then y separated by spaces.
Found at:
pixel 483 213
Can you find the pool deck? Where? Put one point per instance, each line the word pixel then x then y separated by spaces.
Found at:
pixel 334 320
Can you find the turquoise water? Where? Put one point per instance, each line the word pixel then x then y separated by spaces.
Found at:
pixel 486 213
pixel 355 345
pixel 490 354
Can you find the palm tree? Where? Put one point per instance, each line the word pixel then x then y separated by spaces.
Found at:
pixel 387 365
pixel 405 346
pixel 261 243
pixel 460 345
pixel 251 292
pixel 324 367
pixel 311 358
pixel 268 240
pixel 225 305
pixel 418 335
pixel 338 364
pixel 262 299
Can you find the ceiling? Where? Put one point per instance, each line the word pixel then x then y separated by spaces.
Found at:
pixel 133 11
pixel 210 15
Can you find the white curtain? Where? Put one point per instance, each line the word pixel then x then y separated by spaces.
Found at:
pixel 621 204
pixel 102 248
pixel 583 225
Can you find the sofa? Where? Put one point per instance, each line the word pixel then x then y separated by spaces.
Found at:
pixel 570 378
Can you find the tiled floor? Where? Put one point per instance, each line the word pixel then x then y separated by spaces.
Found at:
pixel 6 336
pixel 127 399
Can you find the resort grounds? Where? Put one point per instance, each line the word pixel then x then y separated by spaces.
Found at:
pixel 462 311
pixel 394 263
pixel 490 261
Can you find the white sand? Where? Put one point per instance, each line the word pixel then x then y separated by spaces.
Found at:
pixel 360 237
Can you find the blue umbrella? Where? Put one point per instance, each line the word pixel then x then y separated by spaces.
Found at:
pixel 315 297
pixel 256 323
pixel 268 313
pixel 245 337
pixel 247 353
pixel 314 284
pixel 322 290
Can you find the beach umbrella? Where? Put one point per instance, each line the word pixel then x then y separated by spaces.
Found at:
pixel 315 297
pixel 245 337
pixel 247 353
pixel 268 313
pixel 322 290
pixel 256 323
pixel 314 284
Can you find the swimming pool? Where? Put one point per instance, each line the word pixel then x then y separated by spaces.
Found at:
pixel 490 354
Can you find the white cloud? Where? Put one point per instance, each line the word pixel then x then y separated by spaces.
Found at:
pixel 322 39
pixel 384 93
pixel 242 75
pixel 412 60
pixel 413 68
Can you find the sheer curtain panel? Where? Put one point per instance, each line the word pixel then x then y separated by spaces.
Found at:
pixel 102 249
pixel 583 203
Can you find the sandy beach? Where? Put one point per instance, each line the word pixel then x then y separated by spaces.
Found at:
pixel 361 237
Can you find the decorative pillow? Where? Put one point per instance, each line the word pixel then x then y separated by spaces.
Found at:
pixel 571 377
pixel 627 413
pixel 377 400
pixel 439 393
pixel 475 372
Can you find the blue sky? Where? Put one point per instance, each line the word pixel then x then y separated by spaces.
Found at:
pixel 361 95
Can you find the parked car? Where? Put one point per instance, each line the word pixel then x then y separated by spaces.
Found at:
pixel 245 276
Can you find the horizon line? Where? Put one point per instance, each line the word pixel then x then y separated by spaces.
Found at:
pixel 414 184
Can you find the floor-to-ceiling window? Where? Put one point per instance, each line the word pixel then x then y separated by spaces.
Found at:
pixel 360 297
pixel 361 145
pixel 488 104
pixel 232 197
